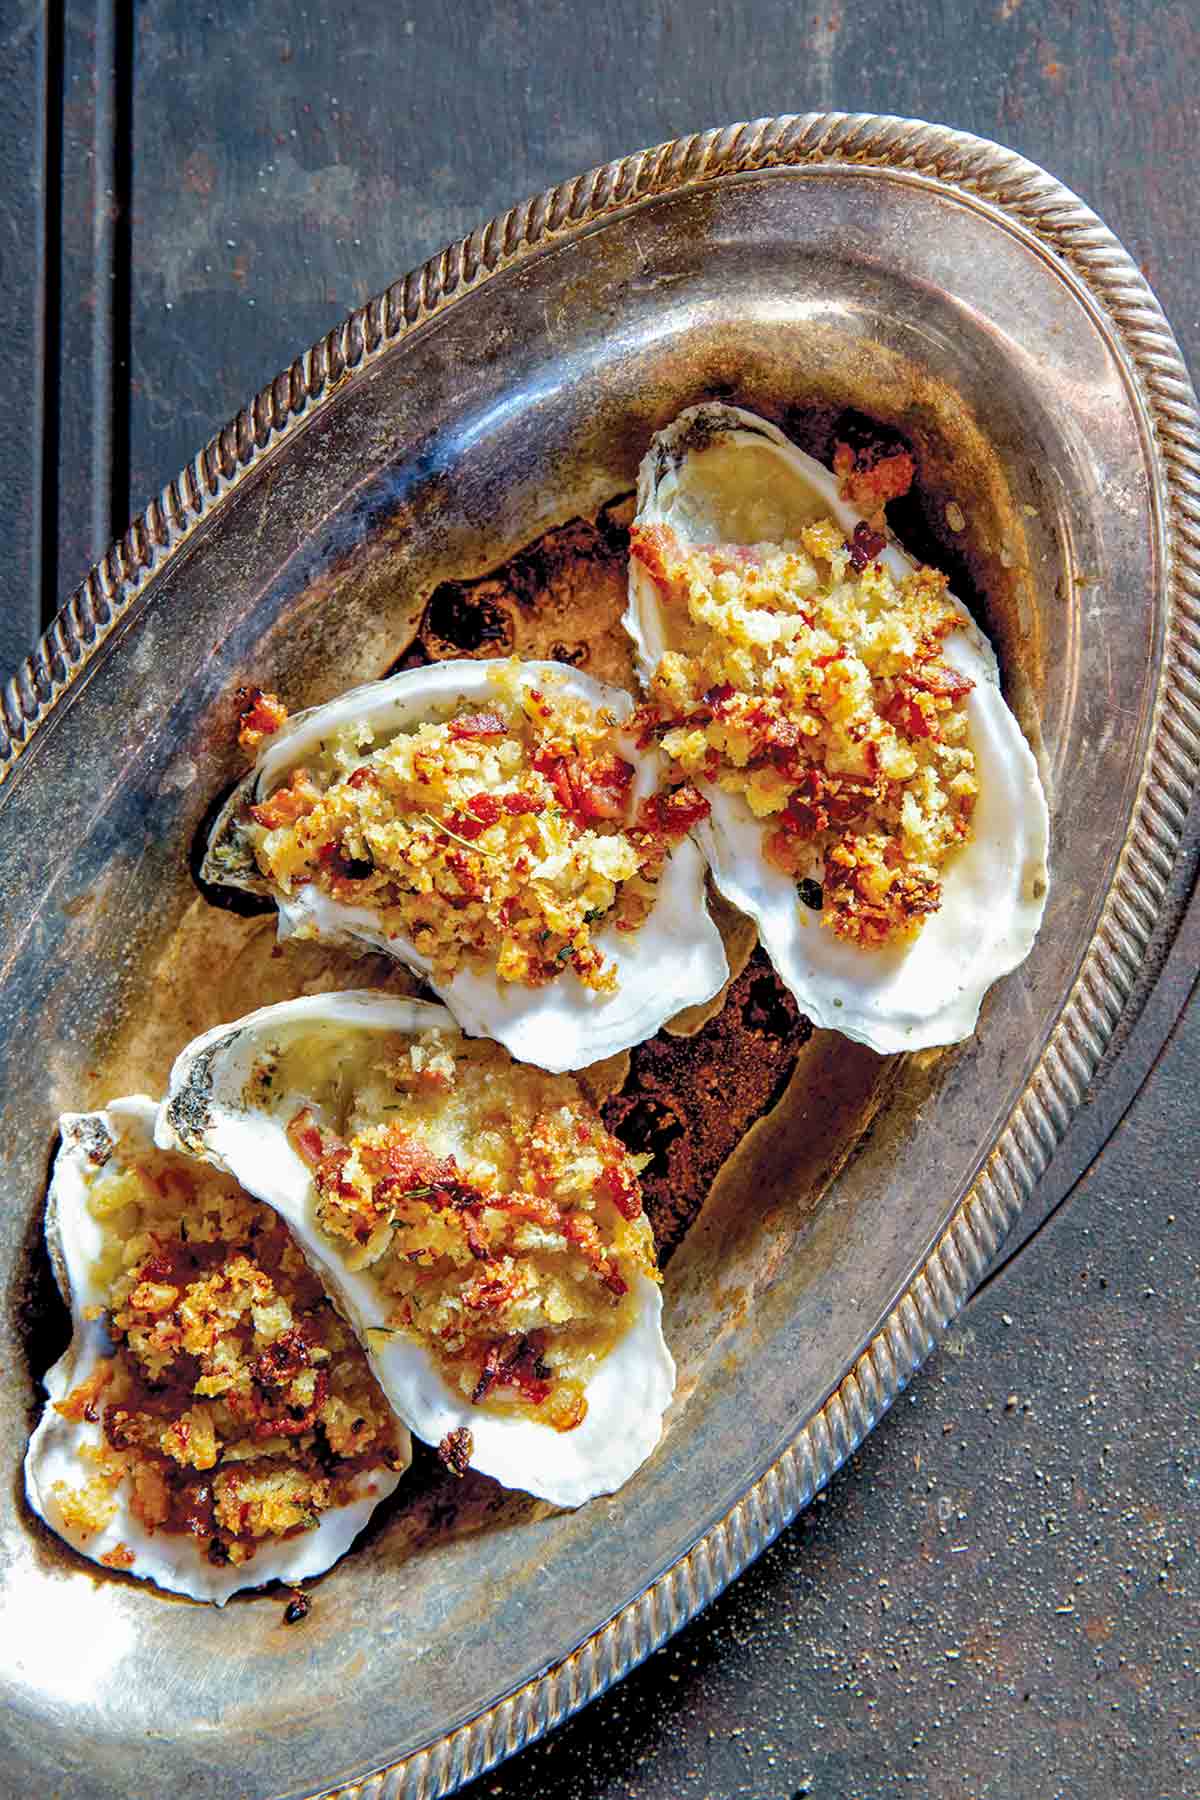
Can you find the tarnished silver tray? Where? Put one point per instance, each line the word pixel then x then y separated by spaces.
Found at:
pixel 799 266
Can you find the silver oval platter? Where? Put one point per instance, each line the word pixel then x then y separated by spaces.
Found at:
pixel 454 465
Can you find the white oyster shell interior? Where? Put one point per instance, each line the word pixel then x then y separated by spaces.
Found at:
pixel 210 1111
pixel 58 1448
pixel 719 475
pixel 675 959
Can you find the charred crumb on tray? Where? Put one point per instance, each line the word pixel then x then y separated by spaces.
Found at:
pixel 575 654
pixel 297 1609
pixel 650 1127
pixel 456 1450
pixel 768 1010
pixel 614 519
pixel 690 1101
pixel 873 475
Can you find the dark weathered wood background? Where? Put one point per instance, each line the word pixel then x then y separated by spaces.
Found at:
pixel 1000 1598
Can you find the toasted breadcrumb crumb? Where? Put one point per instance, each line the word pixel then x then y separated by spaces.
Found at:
pixel 515 1263
pixel 504 835
pixel 237 1407
pixel 813 684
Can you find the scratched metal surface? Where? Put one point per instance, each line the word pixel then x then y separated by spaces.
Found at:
pixel 283 163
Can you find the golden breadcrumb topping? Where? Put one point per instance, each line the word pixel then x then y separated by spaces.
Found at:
pixel 811 681
pixel 504 834
pixel 514 1261
pixel 238 1406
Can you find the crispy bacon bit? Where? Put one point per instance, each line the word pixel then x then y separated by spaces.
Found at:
pixel 456 1450
pixel 655 546
pixel 294 800
pixel 476 1243
pixel 477 725
pixel 621 1185
pixel 717 696
pixel 938 679
pixel 822 801
pixel 674 811
pixel 156 1267
pixel 865 545
pixel 906 713
pixel 364 777
pixel 333 858
pixel 485 807
pixel 260 718
pixel 647 724
pixel 601 786
pixel 582 1232
pixel 871 472
pixel 489 1374
pixel 329 1173
pixel 408 1162
pixel 534 1207
pixel 587 790
pixel 306 1138
pixel 119 1557
pixel 523 803
pixel 282 1360
pixel 520 1367
pixel 554 768
pixel 489 1291
pixel 323 1151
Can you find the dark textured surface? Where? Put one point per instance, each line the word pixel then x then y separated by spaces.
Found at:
pixel 23 135
pixel 358 148
pixel 997 1599
pixel 688 1101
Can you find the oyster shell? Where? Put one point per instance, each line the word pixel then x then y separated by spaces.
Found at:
pixel 722 476
pixel 62 1451
pixel 233 1094
pixel 675 958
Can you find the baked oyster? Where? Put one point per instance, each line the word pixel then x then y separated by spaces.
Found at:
pixel 213 1424
pixel 479 1226
pixel 874 804
pixel 497 828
